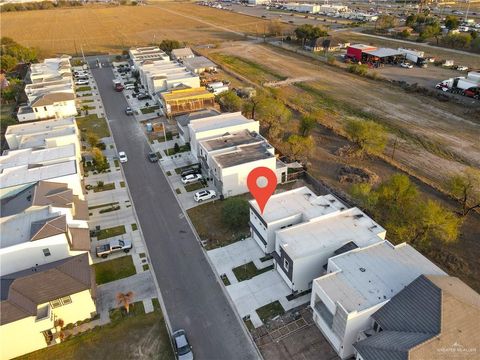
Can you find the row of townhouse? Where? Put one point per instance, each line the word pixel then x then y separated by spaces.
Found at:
pixel 50 91
pixel 228 146
pixel 45 264
pixel 173 83
pixel 341 255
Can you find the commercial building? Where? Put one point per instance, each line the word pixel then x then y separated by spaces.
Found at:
pixel 355 51
pixel 199 64
pixel 34 301
pixel 43 134
pixel 303 8
pixel 148 53
pixel 286 209
pixel 181 101
pixel 182 54
pixel 434 317
pixel 50 92
pixel 357 284
pixel 329 9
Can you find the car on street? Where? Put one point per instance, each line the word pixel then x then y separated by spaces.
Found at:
pixel 462 68
pixel 81 82
pixel 122 156
pixel 152 157
pixel 191 178
pixel 204 195
pixel 183 349
pixel 406 65
pixel 128 110
pixel 129 87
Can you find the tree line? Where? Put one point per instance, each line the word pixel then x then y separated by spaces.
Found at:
pixel 40 5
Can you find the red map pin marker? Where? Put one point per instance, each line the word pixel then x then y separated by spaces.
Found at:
pixel 261 194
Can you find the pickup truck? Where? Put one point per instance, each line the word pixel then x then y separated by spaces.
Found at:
pixel 113 246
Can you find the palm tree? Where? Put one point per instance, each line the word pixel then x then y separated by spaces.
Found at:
pixel 85 109
pixel 124 300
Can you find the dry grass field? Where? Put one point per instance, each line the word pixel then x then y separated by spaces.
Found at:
pixel 109 29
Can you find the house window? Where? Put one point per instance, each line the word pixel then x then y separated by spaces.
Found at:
pixel 60 302
pixel 45 108
pixel 286 264
pixel 46 252
pixel 376 327
pixel 43 313
pixel 36 109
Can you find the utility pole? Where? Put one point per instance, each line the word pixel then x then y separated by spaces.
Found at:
pixel 83 54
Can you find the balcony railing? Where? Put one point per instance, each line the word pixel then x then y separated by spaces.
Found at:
pixel 324 313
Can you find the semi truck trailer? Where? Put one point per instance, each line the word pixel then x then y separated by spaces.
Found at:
pixel 416 57
pixel 467 86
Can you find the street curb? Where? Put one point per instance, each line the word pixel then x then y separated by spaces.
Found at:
pixel 159 293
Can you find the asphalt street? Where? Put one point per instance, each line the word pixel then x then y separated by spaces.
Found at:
pixel 193 298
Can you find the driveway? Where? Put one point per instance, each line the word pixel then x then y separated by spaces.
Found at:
pixel 193 296
pixel 141 284
pixel 249 295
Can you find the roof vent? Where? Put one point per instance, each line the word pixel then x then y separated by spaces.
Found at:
pixel 357 216
pixel 362 269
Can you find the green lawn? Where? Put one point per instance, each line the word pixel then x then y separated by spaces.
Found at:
pixel 83 88
pixel 134 227
pixel 122 184
pixel 135 309
pixel 252 70
pixel 248 271
pixel 271 310
pixel 110 209
pixel 94 124
pixel 207 219
pixel 181 149
pixel 110 232
pixel 87 101
pixel 149 110
pixel 195 186
pixel 105 187
pixel 115 269
pixel 123 339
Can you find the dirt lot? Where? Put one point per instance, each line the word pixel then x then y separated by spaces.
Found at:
pixel 112 28
pixel 434 138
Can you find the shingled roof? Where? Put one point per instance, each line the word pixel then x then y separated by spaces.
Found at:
pixel 431 313
pixel 52 98
pixel 48 227
pixel 23 291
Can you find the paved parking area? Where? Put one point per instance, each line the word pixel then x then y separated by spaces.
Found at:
pixel 249 295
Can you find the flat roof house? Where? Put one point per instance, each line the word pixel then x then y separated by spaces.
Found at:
pixel 302 251
pixel 159 76
pixel 43 134
pixel 185 100
pixel 434 317
pixel 184 119
pixel 21 168
pixel 286 209
pixel 199 64
pixel 182 54
pixel 147 53
pixel 213 126
pixel 357 284
pixel 50 92
pixel 33 300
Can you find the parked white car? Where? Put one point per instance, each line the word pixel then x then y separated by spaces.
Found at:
pixel 81 82
pixel 129 87
pixel 406 65
pixel 191 178
pixel 122 156
pixel 204 195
